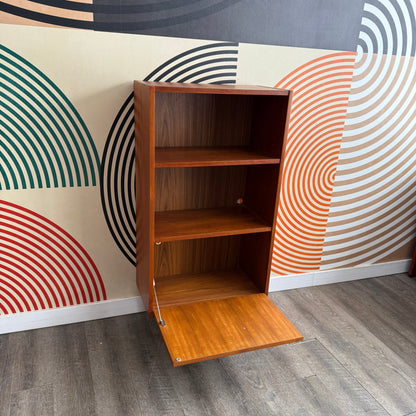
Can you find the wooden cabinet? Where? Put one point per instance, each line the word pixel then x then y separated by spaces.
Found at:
pixel 412 270
pixel 208 162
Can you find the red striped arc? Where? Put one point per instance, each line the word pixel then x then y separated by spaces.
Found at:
pixel 23 283
pixel 42 265
pixel 321 90
pixel 48 248
pixel 16 284
pixel 22 249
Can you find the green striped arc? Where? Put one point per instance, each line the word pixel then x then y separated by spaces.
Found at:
pixel 28 148
pixel 41 134
pixel 12 163
pixel 51 124
pixel 41 110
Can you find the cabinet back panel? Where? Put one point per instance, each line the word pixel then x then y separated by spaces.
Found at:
pixel 202 119
pixel 197 256
pixel 195 188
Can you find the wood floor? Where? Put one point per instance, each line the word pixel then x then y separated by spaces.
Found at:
pixel 358 358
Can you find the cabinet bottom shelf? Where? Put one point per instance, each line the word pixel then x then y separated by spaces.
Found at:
pixel 190 288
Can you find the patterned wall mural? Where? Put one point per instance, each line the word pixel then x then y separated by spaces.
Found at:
pixel 321 90
pixel 67 130
pixel 373 207
pixel 214 63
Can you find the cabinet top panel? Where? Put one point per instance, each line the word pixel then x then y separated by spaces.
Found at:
pixel 172 87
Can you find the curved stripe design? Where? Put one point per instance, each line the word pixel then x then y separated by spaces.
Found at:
pixel 320 97
pixel 213 63
pixel 114 15
pixel 41 265
pixel 374 200
pixel 44 141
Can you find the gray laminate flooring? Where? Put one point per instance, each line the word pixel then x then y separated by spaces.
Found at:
pixel 358 358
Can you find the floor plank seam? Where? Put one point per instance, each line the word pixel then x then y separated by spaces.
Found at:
pixel 349 372
pixel 304 341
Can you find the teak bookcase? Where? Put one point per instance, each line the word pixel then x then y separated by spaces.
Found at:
pixel 208 162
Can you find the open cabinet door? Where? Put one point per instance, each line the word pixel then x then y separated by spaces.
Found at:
pixel 205 330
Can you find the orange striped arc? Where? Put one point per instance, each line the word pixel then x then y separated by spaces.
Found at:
pixel 321 90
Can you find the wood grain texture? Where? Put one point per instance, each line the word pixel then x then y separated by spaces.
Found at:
pixel 53 357
pixel 412 270
pixel 214 89
pixel 34 402
pixel 213 254
pixel 369 326
pixel 202 120
pixel 205 223
pixel 144 164
pixel 269 124
pixel 209 156
pixel 119 366
pixel 5 374
pixel 301 379
pixel 260 194
pixel 205 330
pixel 255 258
pixel 193 188
pixel 191 288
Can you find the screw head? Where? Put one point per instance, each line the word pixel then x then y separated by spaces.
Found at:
pixel 178 359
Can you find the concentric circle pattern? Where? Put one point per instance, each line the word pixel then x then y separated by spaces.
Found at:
pixel 321 89
pixel 374 200
pixel 113 15
pixel 214 63
pixel 44 141
pixel 41 265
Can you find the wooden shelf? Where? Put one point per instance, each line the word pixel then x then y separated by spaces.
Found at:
pixel 166 157
pixel 190 288
pixel 203 223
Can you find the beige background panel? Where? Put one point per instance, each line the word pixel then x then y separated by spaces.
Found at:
pixel 267 65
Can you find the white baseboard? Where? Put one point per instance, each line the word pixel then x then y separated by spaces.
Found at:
pixel 71 314
pixel 106 309
pixel 323 277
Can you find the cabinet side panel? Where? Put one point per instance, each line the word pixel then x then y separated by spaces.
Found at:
pixel 255 258
pixel 144 160
pixel 269 124
pixel 261 191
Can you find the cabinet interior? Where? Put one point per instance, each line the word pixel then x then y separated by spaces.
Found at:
pixel 224 267
pixel 218 120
